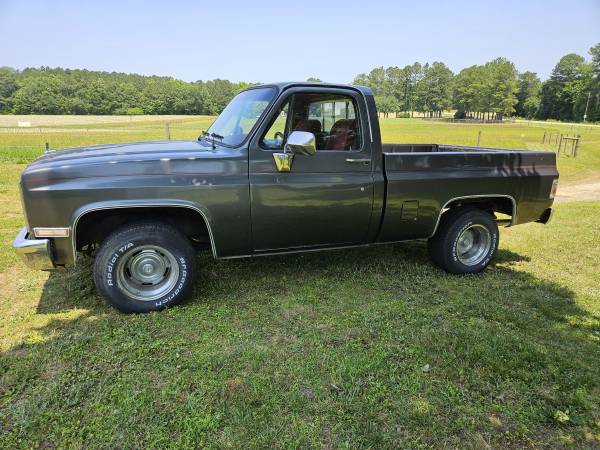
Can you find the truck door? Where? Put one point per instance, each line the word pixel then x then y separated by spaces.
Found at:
pixel 326 199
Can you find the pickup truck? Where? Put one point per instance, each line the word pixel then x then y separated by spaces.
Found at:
pixel 287 167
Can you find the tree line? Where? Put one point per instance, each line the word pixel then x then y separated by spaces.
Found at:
pixel 64 91
pixel 489 91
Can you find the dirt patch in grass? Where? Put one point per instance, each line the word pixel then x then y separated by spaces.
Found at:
pixel 584 191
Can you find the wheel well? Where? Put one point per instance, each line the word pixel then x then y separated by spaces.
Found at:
pixel 95 226
pixel 504 205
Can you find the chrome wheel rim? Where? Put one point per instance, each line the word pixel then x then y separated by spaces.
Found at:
pixel 148 272
pixel 473 245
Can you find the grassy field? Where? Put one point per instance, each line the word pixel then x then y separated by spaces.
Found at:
pixel 363 348
pixel 24 144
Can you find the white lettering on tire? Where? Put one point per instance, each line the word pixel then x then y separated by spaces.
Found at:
pixel 113 261
pixel 179 287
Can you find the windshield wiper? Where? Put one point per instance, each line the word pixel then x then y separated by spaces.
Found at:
pixel 207 135
pixel 215 136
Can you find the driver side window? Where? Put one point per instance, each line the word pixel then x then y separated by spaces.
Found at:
pixel 274 137
pixel 332 118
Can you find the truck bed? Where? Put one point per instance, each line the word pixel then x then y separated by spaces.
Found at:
pixel 423 179
pixel 435 148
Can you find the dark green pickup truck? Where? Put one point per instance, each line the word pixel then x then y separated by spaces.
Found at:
pixel 288 167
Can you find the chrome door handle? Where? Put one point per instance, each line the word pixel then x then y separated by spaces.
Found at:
pixel 358 160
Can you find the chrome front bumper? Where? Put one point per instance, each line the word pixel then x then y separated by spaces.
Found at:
pixel 35 253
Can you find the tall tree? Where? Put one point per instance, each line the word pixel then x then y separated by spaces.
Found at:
pixel 558 91
pixel 580 89
pixel 501 87
pixel 413 73
pixel 217 94
pixel 362 79
pixel 8 86
pixel 469 86
pixel 377 81
pixel 386 104
pixel 593 97
pixel 41 95
pixel 395 85
pixel 434 89
pixel 528 96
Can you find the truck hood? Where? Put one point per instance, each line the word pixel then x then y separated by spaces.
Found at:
pixel 128 159
pixel 121 152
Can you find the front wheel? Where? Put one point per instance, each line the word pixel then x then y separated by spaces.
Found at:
pixel 145 267
pixel 465 242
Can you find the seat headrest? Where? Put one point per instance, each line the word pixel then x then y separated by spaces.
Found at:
pixel 310 125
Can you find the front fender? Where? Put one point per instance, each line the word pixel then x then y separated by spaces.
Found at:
pixel 137 203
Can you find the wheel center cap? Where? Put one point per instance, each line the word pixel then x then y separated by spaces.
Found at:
pixel 148 268
pixel 465 242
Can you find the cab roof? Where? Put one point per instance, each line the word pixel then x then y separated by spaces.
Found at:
pixel 282 85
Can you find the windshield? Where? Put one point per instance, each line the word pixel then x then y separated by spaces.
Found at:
pixel 239 116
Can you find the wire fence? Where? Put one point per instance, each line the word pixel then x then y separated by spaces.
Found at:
pixel 470 121
pixel 22 144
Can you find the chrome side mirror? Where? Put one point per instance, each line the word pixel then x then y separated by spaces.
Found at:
pixel 301 143
pixel 298 143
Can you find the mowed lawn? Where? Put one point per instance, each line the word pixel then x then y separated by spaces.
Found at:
pixel 345 349
pixel 24 144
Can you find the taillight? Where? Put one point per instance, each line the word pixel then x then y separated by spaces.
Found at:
pixel 554 188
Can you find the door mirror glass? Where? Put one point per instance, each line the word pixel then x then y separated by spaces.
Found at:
pixel 301 143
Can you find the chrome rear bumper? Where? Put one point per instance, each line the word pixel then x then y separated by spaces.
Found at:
pixel 35 253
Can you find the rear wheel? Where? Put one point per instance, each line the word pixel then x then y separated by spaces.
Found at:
pixel 465 241
pixel 145 267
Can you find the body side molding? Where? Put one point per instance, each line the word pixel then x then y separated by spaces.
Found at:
pixel 88 209
pixel 512 199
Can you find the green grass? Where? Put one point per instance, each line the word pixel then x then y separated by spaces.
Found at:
pixel 511 135
pixel 360 348
pixel 23 145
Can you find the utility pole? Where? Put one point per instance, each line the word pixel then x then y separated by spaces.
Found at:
pixel 586 106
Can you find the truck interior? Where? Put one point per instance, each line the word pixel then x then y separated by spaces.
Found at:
pixel 330 117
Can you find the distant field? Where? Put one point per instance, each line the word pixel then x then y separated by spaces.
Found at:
pixel 37 120
pixel 24 144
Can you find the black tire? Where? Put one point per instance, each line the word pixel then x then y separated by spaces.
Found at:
pixel 145 267
pixel 469 225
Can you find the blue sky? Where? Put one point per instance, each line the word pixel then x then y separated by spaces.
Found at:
pixel 287 40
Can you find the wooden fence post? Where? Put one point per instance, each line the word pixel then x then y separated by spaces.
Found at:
pixel 560 142
pixel 479 138
pixel 168 131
